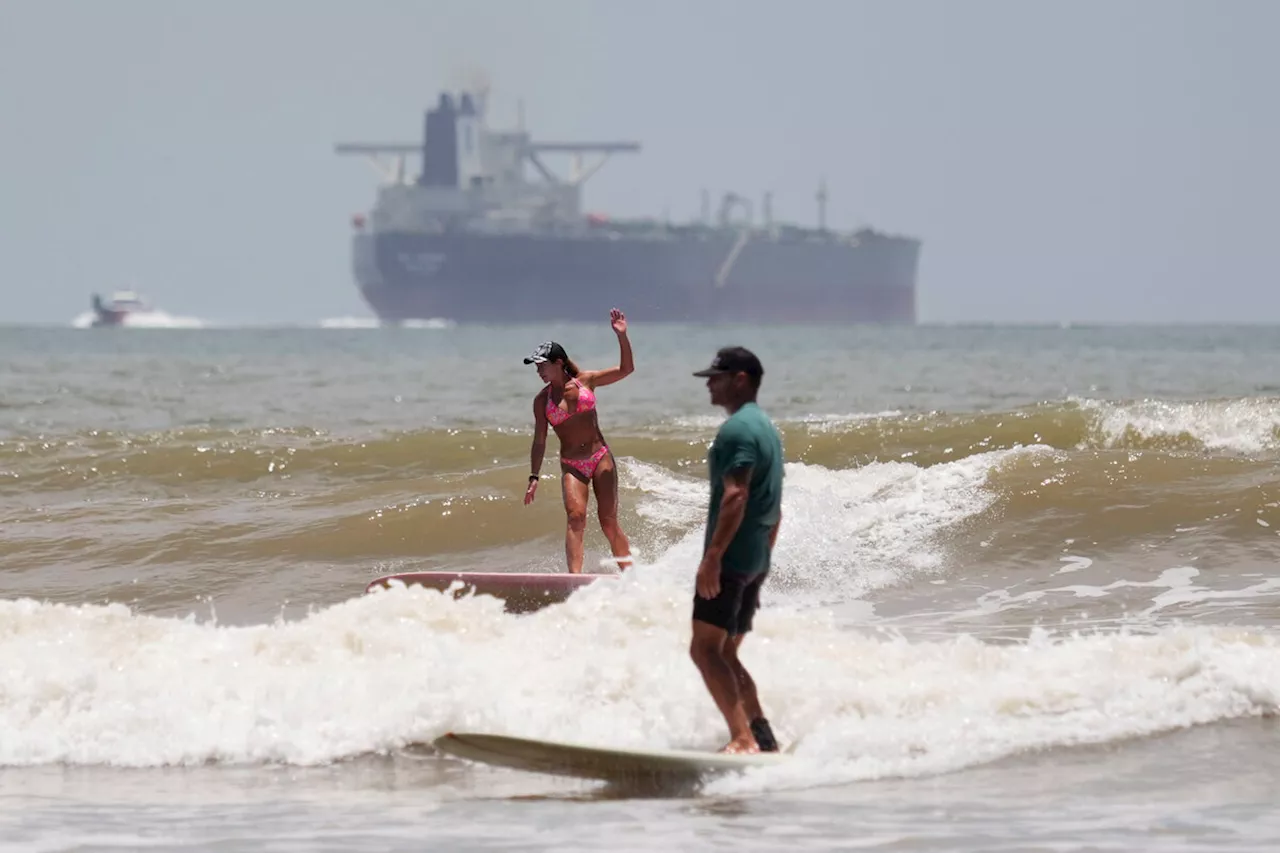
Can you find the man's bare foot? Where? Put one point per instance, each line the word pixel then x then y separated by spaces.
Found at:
pixel 740 747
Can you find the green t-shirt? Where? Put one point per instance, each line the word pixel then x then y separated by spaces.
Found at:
pixel 747 439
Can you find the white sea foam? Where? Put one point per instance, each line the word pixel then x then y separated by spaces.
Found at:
pixel 1241 426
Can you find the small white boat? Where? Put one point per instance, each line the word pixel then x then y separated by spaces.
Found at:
pixel 121 305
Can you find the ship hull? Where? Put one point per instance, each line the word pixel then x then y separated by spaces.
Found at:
pixel 530 278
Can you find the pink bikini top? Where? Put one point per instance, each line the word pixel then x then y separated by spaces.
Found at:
pixel 586 402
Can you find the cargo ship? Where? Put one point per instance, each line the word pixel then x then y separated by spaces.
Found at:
pixel 486 231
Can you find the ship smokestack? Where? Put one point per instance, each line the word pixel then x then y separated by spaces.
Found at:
pixel 440 145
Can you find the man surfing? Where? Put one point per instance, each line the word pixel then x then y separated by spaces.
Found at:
pixel 745 467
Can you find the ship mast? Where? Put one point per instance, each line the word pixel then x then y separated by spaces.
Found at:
pixel 822 205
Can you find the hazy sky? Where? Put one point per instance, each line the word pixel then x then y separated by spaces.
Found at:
pixel 1093 161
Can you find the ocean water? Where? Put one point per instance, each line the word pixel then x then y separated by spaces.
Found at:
pixel 1024 597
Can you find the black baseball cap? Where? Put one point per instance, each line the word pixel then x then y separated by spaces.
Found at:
pixel 547 351
pixel 734 360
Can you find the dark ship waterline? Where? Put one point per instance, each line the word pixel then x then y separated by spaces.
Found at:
pixel 473 239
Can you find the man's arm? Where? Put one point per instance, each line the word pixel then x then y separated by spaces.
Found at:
pixel 773 534
pixel 733 506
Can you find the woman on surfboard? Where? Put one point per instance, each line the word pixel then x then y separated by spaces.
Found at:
pixel 568 404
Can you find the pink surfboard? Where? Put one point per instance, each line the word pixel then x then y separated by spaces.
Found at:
pixel 522 591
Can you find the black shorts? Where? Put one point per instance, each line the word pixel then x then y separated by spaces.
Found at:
pixel 735 607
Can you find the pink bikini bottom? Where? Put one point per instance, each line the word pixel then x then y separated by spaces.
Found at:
pixel 587 467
